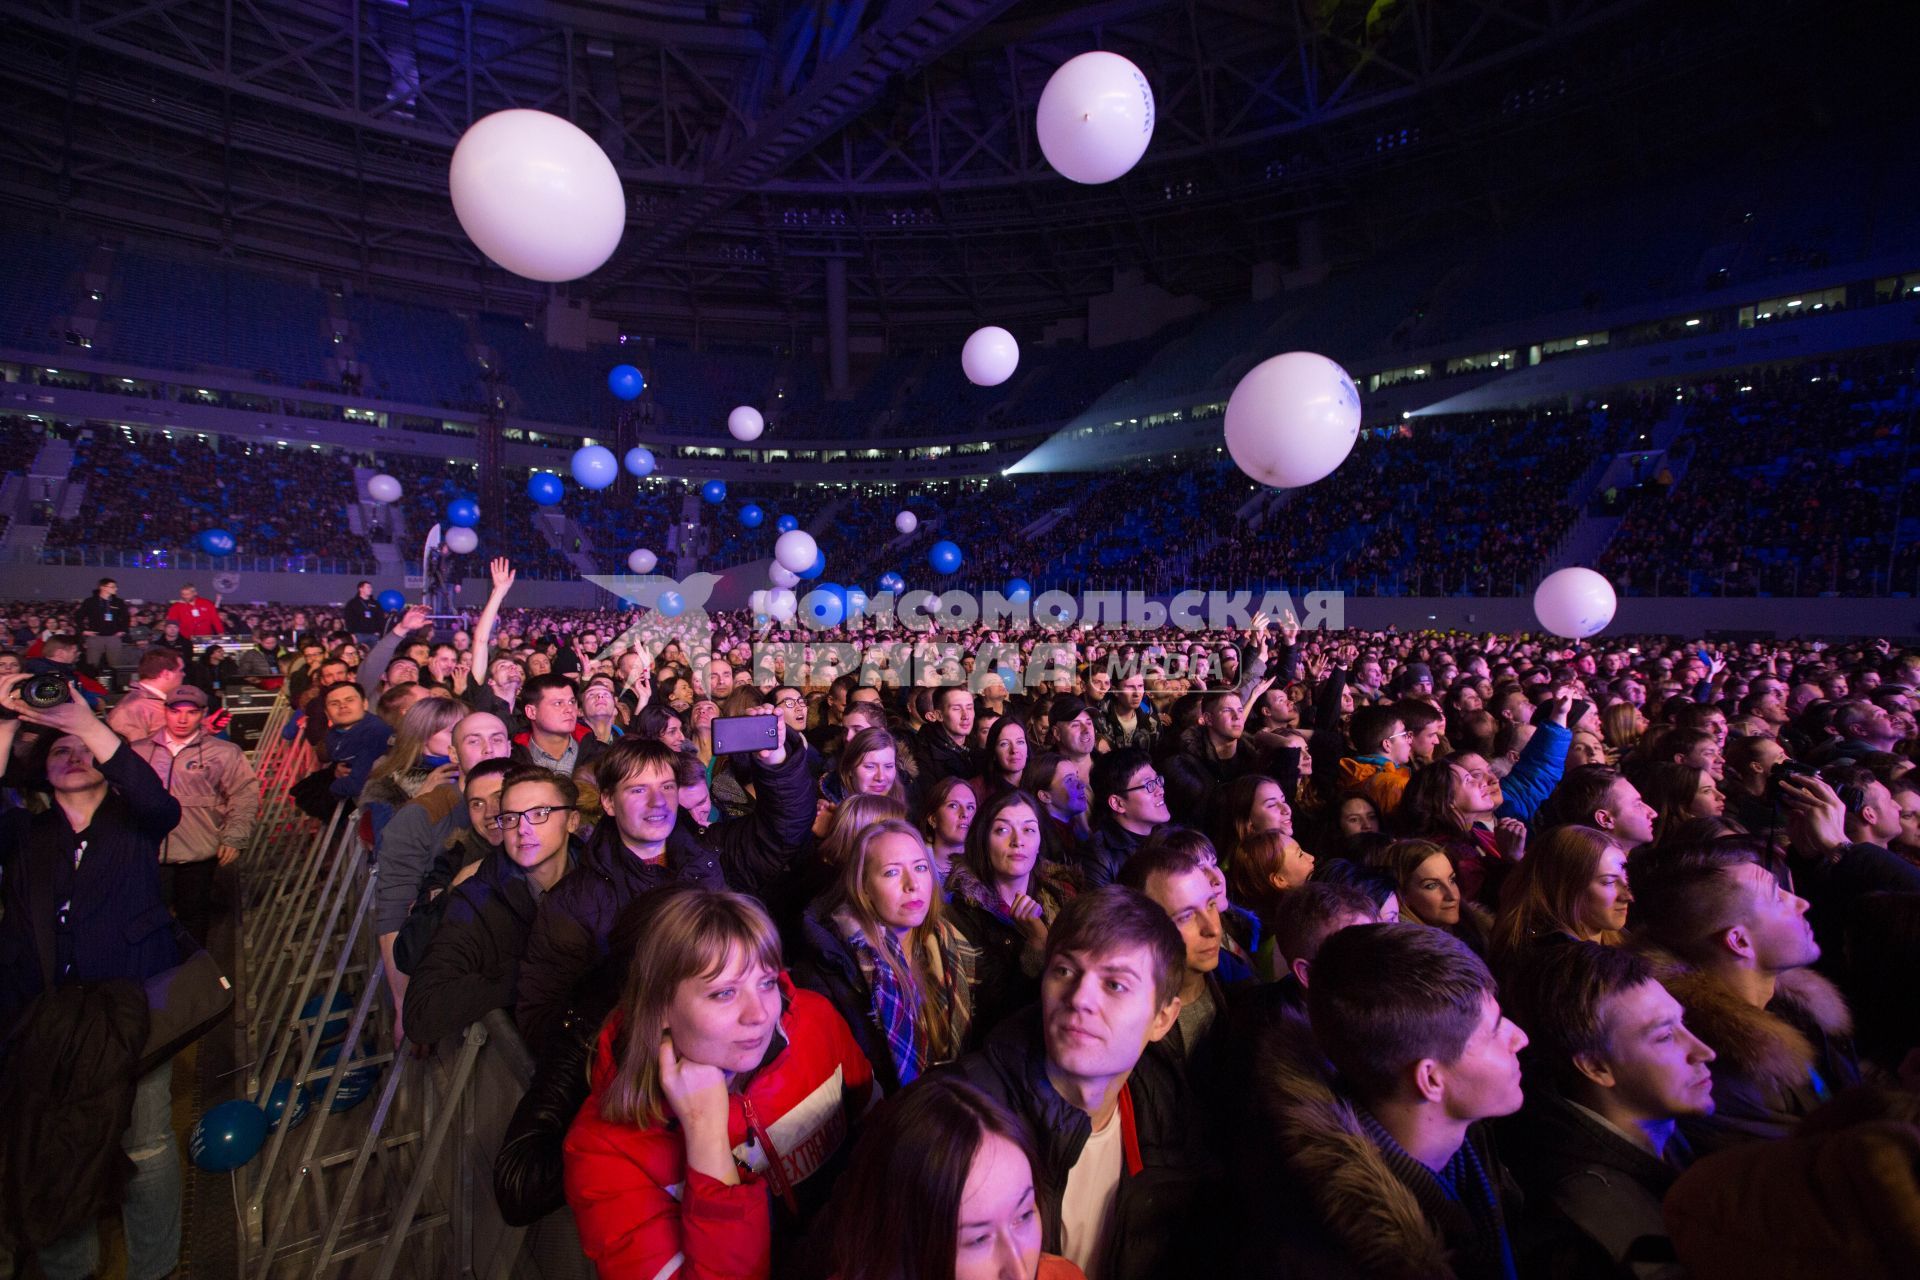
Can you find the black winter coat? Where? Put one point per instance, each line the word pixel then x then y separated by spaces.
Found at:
pixel 939 758
pixel 118 926
pixel 66 1097
pixel 1163 1221
pixel 1595 1197
pixel 1105 851
pixel 749 855
pixel 472 965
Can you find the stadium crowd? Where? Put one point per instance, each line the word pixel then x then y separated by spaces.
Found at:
pixel 1095 953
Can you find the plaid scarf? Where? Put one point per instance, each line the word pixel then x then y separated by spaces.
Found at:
pixel 1460 1200
pixel 892 1006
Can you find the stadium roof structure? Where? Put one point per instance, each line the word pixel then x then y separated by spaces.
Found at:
pixel 760 142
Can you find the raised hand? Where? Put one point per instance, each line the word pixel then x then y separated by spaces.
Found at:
pixel 501 571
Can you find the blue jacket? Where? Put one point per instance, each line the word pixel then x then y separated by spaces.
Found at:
pixel 1536 773
pixel 359 744
pixel 118 924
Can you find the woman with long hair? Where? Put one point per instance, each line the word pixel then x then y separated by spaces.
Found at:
pixel 420 759
pixel 870 765
pixel 1005 896
pixel 708 1052
pixel 1749 769
pixel 880 947
pixel 1429 888
pixel 663 724
pixel 1454 802
pixel 1244 808
pixel 1677 792
pixel 950 806
pixel 941 1187
pixel 1006 755
pixel 1622 725
pixel 1572 884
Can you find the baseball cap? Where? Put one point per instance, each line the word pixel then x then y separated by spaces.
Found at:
pixel 187 696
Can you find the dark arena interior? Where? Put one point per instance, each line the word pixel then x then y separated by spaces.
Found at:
pixel 943 639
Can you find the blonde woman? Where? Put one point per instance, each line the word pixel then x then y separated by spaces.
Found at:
pixel 419 759
pixel 880 947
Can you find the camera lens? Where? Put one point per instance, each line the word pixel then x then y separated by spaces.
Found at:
pixel 44 692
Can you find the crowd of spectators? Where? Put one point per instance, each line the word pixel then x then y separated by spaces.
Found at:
pixel 1365 953
pixel 158 491
pixel 1792 485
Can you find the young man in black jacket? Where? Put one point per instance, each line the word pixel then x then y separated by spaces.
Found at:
pixel 1365 1151
pixel 473 963
pixel 1121 1154
pixel 1129 801
pixel 1613 1068
pixel 101 620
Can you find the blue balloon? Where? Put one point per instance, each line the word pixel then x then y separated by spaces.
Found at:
pixel 626 381
pixel 752 516
pixel 277 1105
pixel 1019 589
pixel 216 542
pixel 945 557
pixel 787 524
pixel 333 1030
pixel 594 466
pixel 393 602
pixel 545 488
pixel 714 491
pixel 825 605
pixel 818 567
pixel 640 461
pixel 355 1084
pixel 227 1136
pixel 671 604
pixel 463 513
pixel 892 583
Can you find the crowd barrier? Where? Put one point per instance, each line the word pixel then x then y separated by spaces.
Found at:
pixel 398 1182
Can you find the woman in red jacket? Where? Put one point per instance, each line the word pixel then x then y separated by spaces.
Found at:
pixel 941 1188
pixel 722 1099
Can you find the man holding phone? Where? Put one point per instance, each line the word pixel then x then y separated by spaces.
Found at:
pixel 646 843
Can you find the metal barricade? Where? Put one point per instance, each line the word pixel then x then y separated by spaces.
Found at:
pixel 404 1187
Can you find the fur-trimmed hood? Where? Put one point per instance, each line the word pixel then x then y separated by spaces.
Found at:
pixel 1374 1218
pixel 1766 1047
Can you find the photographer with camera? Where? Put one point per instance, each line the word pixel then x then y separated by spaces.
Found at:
pixel 80 902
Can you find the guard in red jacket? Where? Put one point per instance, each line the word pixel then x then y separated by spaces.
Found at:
pixel 723 1100
pixel 196 617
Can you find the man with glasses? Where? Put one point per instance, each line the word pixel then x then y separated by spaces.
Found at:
pixel 473 963
pixel 555 738
pixel 1129 802
pixel 1382 746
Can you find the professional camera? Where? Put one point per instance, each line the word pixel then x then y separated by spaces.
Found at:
pixel 45 691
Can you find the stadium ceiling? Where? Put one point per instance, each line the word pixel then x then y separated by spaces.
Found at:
pixel 759 141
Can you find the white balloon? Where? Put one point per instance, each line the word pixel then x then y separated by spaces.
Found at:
pixel 462 540
pixel 757 601
pixel 745 423
pixel 641 560
pixel 1293 419
pixel 383 488
pixel 537 195
pixel 796 551
pixel 1575 603
pixel 1095 117
pixel 780 577
pixel 990 356
pixel 782 604
pixel 906 522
